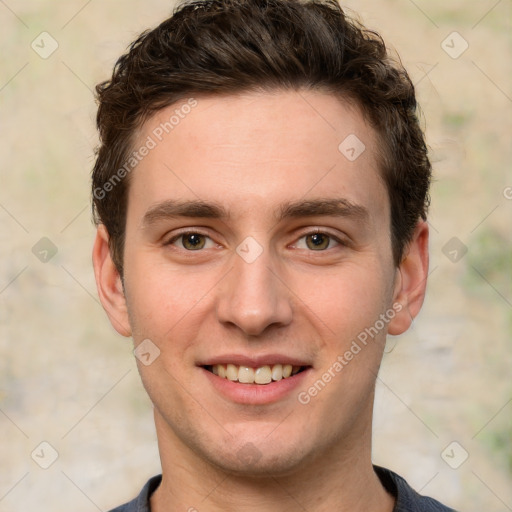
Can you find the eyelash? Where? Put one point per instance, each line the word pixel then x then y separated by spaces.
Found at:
pixel 303 235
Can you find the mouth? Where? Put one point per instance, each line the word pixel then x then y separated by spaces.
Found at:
pixel 262 375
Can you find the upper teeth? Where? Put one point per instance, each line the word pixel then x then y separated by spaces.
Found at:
pixel 261 375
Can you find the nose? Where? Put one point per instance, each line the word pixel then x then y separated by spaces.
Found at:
pixel 253 296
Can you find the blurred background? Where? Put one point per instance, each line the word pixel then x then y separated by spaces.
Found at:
pixel 443 414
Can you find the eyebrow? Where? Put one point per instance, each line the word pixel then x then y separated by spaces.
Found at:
pixel 175 208
pixel 337 207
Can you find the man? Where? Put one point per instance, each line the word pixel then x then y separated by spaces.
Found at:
pixel 260 192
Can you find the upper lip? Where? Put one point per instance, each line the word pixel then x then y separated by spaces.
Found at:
pixel 254 361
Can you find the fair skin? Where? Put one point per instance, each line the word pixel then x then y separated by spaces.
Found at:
pixel 232 446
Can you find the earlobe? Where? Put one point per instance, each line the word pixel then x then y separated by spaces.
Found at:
pixel 109 284
pixel 411 280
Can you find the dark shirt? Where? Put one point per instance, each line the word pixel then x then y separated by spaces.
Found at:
pixel 407 499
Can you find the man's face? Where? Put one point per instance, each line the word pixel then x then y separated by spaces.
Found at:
pixel 258 287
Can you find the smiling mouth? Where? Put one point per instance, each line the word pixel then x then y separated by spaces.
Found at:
pixel 262 375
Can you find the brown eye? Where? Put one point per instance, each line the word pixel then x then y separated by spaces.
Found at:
pixel 318 241
pixel 193 241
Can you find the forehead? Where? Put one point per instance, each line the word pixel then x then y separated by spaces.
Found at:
pixel 258 150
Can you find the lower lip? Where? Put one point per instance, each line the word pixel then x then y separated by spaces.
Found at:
pixel 256 394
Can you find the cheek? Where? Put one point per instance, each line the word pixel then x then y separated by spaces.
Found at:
pixel 347 299
pixel 161 299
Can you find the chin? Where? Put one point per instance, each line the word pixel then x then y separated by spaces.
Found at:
pixel 265 466
pixel 261 460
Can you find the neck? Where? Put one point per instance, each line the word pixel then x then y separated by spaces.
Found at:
pixel 342 479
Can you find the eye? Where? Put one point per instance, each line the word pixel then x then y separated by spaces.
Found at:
pixel 318 241
pixel 191 241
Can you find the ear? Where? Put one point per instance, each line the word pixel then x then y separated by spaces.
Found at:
pixel 109 284
pixel 411 281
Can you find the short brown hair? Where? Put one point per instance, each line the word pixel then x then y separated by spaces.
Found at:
pixel 231 46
